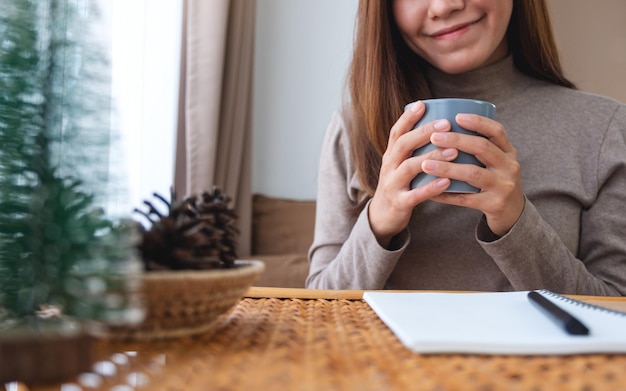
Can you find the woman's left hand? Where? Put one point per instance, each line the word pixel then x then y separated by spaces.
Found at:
pixel 501 198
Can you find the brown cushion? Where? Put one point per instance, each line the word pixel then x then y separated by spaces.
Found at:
pixel 281 226
pixel 285 271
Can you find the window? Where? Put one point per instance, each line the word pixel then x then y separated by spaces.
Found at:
pixel 145 54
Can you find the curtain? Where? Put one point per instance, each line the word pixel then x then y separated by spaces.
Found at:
pixel 215 106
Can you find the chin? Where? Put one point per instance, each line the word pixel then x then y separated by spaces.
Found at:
pixel 455 67
pixel 467 60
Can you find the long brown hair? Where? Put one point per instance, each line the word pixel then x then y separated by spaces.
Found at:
pixel 385 74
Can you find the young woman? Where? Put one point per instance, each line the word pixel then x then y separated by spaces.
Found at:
pixel 553 189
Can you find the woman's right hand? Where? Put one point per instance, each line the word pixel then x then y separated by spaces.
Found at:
pixel 393 201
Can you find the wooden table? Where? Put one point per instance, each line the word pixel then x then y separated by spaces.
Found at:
pixel 296 339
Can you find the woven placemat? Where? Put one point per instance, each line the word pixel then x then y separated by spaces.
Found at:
pixel 297 344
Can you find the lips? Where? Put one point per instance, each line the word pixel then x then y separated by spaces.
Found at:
pixel 447 31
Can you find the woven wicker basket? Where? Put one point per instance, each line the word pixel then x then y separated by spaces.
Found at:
pixel 182 303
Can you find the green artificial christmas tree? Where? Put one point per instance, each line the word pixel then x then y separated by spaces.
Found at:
pixel 61 254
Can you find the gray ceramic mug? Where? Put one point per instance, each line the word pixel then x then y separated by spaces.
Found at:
pixel 448 108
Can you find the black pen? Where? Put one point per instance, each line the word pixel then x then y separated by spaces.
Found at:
pixel 559 316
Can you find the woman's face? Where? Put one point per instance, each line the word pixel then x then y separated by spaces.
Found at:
pixel 455 36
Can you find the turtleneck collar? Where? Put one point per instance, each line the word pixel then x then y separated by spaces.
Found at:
pixel 494 83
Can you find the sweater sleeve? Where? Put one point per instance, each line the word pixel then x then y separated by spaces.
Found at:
pixel 532 255
pixel 344 253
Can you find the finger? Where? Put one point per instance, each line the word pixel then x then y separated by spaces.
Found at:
pixel 444 154
pixel 408 143
pixel 472 174
pixel 488 127
pixel 407 121
pixel 431 190
pixel 484 149
pixel 467 200
pixel 411 167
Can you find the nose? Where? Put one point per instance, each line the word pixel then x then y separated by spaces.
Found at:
pixel 443 8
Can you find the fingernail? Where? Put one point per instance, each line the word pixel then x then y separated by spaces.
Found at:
pixel 429 165
pixel 441 124
pixel 464 117
pixel 448 152
pixel 416 106
pixel 437 137
pixel 441 182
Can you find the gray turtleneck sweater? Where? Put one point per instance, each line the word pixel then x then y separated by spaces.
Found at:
pixel 570 238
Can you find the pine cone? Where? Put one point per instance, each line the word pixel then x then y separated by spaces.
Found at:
pixel 196 233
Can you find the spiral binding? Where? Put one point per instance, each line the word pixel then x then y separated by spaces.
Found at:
pixel 581 303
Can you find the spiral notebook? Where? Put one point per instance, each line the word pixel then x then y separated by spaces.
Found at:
pixel 495 323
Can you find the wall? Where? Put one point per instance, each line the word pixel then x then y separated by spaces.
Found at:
pixel 591 36
pixel 302 51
